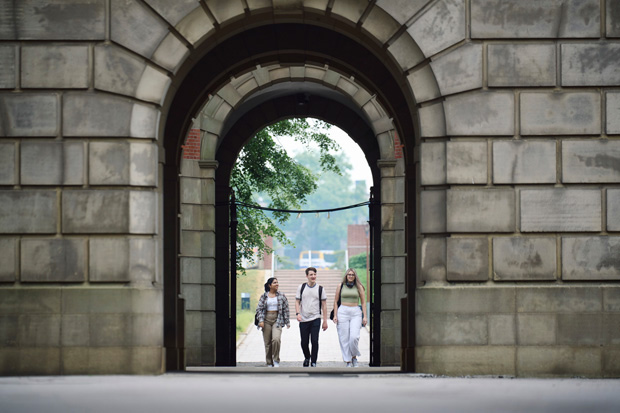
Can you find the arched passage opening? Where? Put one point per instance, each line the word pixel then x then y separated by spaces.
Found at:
pixel 374 119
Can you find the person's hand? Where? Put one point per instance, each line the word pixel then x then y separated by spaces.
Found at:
pixel 364 321
pixel 288 326
pixel 324 324
pixel 261 324
pixel 299 317
pixel 335 320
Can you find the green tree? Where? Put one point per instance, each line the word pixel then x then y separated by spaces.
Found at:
pixel 264 168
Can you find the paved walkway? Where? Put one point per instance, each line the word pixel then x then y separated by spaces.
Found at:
pixel 251 350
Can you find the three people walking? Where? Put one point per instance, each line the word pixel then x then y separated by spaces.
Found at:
pixel 311 312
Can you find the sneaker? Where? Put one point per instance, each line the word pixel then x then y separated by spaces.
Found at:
pixel 269 365
pixel 349 364
pixel 313 365
pixel 355 363
pixel 306 362
pixel 276 364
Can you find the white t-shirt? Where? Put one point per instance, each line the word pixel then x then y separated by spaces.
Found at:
pixel 310 302
pixel 272 303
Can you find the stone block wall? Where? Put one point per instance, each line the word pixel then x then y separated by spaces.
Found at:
pixel 519 239
pixel 80 270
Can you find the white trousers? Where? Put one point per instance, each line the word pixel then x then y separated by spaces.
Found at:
pixel 349 325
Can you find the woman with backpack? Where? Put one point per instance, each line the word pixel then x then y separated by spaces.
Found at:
pixel 349 316
pixel 273 314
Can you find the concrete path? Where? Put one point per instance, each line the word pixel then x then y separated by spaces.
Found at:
pixel 251 350
pixel 300 393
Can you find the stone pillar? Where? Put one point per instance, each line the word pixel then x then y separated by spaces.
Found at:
pixel 392 258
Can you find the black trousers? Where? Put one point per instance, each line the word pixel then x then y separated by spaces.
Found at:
pixel 309 331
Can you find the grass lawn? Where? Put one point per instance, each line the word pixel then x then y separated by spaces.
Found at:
pixel 252 283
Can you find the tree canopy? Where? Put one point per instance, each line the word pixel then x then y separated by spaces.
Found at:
pixel 264 168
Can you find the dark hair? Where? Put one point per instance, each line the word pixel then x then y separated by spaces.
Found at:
pixel 310 269
pixel 268 284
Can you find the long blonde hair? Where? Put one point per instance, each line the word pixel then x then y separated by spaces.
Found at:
pixel 357 280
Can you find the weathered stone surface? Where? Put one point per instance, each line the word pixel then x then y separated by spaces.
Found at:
pixel 7 163
pixel 225 10
pixel 153 85
pixel 170 53
pixel 136 27
pixel 502 329
pixel 560 210
pixel 117 70
pixel 108 163
pixel 95 212
pixel 459 70
pixel 465 360
pixel 423 84
pixel 38 330
pixel 433 260
pixel 591 161
pixel 52 163
pixel 451 329
pixel 466 162
pixel 406 52
pixel 590 64
pixel 392 270
pixel 30 301
pixel 468 259
pixel 142 360
pixel 591 258
pixel 75 330
pixel 142 212
pixel 433 211
pixel 380 24
pixel 480 210
pixel 391 295
pixel 536 329
pixel 7 69
pixel 144 121
pixel 118 300
pixel 392 242
pixel 74 20
pixel 561 113
pixel 173 12
pixel 521 65
pixel 26 361
pixel 524 162
pixel 432 120
pixel 613 210
pixel 121 260
pixel 465 300
pixel 143 161
pixel 59 67
pixel 53 260
pixel 441 26
pixel 613 19
pixel 613 113
pixel 28 114
pixel 195 25
pixel 611 299
pixel 8 260
pixel 96 115
pixel 402 10
pixel 524 259
pixel 126 330
pixel 392 217
pixel 480 113
pixel 560 299
pixel 550 361
pixel 349 9
pixel 28 212
pixel 545 19
pixel 433 163
pixel 580 330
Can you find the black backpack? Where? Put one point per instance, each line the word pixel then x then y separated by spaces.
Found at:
pixel 301 294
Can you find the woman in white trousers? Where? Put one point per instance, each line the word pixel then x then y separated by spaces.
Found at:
pixel 349 316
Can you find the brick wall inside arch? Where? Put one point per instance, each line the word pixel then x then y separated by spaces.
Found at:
pixel 191 149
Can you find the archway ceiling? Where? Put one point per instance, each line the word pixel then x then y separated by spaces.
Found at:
pixel 285 43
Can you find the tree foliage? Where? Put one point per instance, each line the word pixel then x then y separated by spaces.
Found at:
pixel 263 167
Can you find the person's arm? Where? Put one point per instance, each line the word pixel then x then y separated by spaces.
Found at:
pixel 363 298
pixel 298 309
pixel 324 306
pixel 260 309
pixel 336 297
pixel 286 311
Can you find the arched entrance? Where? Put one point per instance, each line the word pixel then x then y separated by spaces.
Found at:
pixel 343 80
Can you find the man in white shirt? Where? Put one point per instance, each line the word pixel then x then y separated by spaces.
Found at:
pixel 310 305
